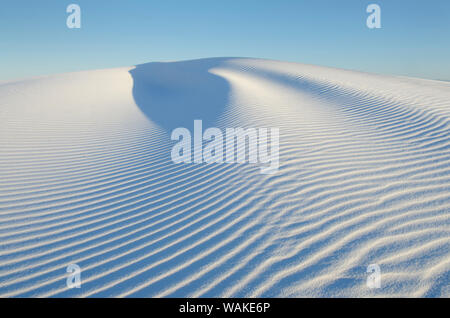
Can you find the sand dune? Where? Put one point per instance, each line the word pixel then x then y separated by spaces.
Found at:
pixel 86 178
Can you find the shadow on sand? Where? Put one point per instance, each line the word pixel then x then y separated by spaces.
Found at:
pixel 174 94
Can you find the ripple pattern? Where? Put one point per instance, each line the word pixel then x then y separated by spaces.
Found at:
pixel 86 178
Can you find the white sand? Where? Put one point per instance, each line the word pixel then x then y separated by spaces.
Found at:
pixel 86 178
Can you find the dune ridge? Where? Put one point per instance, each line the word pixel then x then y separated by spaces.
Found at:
pixel 86 178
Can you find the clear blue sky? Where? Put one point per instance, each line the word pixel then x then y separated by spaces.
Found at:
pixel 414 39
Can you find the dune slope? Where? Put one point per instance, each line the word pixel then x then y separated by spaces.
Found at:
pixel 86 178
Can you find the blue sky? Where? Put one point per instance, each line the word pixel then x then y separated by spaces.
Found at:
pixel 414 39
